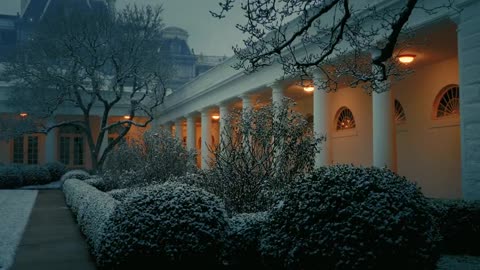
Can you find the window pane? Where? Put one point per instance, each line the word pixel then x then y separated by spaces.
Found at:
pixel 18 150
pixel 65 150
pixel 32 150
pixel 78 151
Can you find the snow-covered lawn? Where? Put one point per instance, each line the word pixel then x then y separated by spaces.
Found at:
pixel 15 209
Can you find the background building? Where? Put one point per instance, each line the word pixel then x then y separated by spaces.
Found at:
pixel 68 145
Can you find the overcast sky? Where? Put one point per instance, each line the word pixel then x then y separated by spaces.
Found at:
pixel 208 35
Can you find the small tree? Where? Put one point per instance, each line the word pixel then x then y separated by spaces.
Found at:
pixel 92 62
pixel 260 151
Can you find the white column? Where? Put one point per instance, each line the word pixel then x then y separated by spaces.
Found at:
pixel 468 38
pixel 206 137
pixel 51 143
pixel 246 102
pixel 191 132
pixel 223 110
pixel 277 94
pixel 384 144
pixel 179 129
pixel 321 121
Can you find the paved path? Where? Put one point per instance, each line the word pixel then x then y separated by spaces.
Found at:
pixel 52 239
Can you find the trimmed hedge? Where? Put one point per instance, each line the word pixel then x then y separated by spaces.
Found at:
pixel 15 176
pixel 75 174
pixel 171 225
pixel 346 217
pixel 459 223
pixel 92 209
pixel 35 175
pixel 56 170
pixel 10 177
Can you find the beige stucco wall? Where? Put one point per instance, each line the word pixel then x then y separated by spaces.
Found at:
pixel 429 149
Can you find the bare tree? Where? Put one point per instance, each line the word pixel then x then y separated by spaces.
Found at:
pixel 343 39
pixel 93 62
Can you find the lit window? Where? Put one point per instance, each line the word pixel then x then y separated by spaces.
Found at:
pixel 399 113
pixel 345 119
pixel 447 102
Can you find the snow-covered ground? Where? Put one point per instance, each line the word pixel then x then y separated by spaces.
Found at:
pixel 15 209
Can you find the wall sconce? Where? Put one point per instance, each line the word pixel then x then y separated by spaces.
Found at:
pixel 308 88
pixel 406 58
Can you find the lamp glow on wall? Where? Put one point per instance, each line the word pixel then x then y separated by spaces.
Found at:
pixel 126 117
pixel 23 114
pixel 215 117
pixel 406 58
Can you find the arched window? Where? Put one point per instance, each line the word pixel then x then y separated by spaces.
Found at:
pixel 400 116
pixel 447 102
pixel 345 119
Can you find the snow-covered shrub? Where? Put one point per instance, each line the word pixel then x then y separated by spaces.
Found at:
pixel 459 223
pixel 346 217
pixel 92 209
pixel 119 194
pixel 75 174
pixel 96 181
pixel 242 245
pixel 35 175
pixel 10 177
pixel 261 150
pixel 149 161
pixel 56 170
pixel 171 225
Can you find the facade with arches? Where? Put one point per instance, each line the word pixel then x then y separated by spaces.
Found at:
pixel 425 127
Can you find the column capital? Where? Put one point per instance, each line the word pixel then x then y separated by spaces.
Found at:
pixel 276 86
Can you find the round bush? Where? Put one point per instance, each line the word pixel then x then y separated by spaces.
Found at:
pixel 241 248
pixel 346 217
pixel 10 177
pixel 75 174
pixel 56 170
pixel 35 175
pixel 171 225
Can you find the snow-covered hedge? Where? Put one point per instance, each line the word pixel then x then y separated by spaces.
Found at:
pixel 459 223
pixel 243 237
pixel 56 170
pixel 75 174
pixel 346 217
pixel 35 175
pixel 171 225
pixel 10 177
pixel 92 209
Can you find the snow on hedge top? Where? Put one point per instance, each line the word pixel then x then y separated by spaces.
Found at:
pixel 75 174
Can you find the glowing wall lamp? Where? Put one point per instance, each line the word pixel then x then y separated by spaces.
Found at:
pixel 308 88
pixel 406 58
pixel 215 117
pixel 126 117
pixel 23 114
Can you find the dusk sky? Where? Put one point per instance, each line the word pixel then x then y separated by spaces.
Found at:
pixel 208 35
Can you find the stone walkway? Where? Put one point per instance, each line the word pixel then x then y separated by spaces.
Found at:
pixel 52 239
